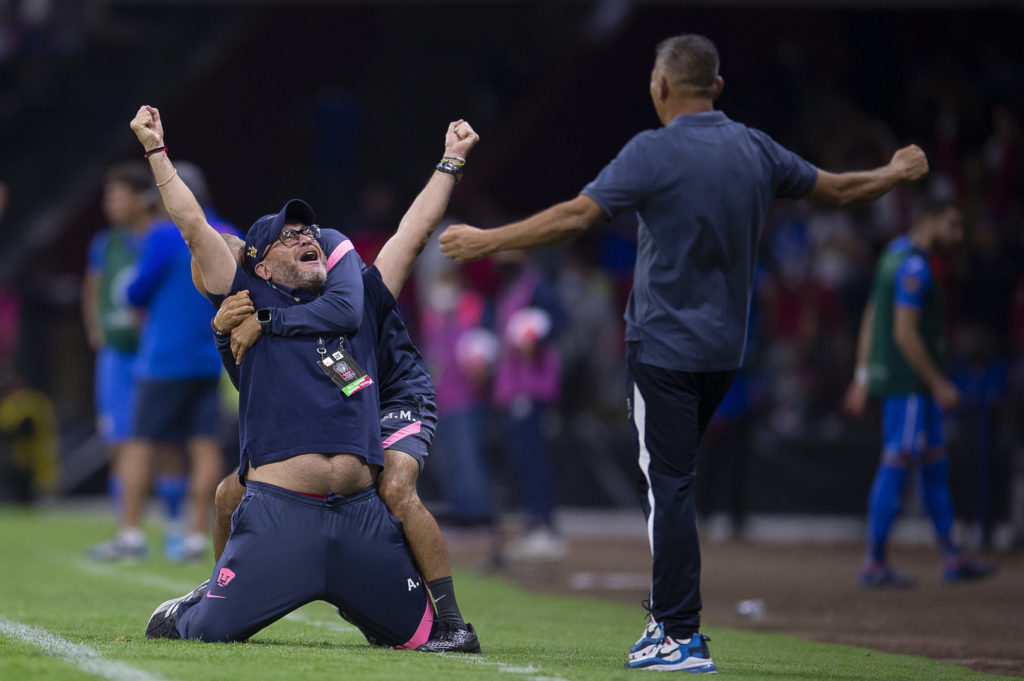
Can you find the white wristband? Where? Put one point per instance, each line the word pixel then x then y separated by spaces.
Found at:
pixel 860 376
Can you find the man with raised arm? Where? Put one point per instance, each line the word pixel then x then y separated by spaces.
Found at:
pixel 407 422
pixel 311 525
pixel 702 185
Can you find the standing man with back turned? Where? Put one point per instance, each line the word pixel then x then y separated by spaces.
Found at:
pixel 703 185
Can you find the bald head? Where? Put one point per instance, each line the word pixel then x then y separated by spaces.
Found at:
pixel 689 62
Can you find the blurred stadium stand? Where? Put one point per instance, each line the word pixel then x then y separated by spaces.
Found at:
pixel 255 91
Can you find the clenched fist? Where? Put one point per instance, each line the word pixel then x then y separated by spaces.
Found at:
pixel 911 162
pixel 147 127
pixel 464 243
pixel 460 139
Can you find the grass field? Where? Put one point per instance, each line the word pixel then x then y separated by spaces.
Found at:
pixel 63 617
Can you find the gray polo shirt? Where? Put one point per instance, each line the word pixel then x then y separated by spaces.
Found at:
pixel 702 186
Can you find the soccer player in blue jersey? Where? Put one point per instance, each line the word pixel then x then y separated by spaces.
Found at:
pixel 702 185
pixel 901 351
pixel 311 525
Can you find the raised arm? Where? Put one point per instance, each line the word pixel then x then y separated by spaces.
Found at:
pixel 207 246
pixel 397 256
pixel 852 189
pixel 561 222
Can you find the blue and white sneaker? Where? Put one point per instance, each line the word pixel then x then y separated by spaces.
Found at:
pixel 690 656
pixel 653 635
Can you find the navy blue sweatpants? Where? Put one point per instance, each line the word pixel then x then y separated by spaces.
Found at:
pixel 669 412
pixel 287 549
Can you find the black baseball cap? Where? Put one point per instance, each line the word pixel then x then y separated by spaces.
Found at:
pixel 265 230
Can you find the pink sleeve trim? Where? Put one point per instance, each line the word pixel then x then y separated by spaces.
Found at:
pixel 410 429
pixel 339 252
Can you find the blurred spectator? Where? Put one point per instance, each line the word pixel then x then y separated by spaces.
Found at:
pixel 460 354
pixel 726 450
pixel 28 440
pixel 178 372
pixel 111 324
pixel 527 382
pixel 10 305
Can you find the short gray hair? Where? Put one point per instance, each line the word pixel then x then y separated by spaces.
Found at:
pixel 691 59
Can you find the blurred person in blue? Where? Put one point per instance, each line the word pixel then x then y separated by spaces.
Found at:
pixel 702 185
pixel 529 317
pixel 177 402
pixel 727 447
pixel 901 355
pixel 111 323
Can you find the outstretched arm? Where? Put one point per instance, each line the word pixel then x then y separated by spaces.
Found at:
pixel 849 190
pixel 211 253
pixel 397 256
pixel 561 222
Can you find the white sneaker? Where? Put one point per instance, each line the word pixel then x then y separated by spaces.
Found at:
pixel 691 655
pixel 539 544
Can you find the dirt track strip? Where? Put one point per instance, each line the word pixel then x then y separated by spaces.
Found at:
pixel 809 591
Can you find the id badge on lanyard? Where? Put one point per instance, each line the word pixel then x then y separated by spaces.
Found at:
pixel 342 368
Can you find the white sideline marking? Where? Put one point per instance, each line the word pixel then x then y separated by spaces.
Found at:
pixel 505 667
pixel 83 657
pixel 133 575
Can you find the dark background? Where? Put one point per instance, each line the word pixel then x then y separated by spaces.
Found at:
pixel 345 104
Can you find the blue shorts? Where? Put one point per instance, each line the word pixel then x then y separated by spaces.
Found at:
pixel 115 394
pixel 175 411
pixel 408 427
pixel 287 549
pixel 911 424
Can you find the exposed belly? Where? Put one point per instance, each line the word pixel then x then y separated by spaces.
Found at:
pixel 317 474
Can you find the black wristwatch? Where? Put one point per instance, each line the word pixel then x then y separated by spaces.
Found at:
pixel 263 317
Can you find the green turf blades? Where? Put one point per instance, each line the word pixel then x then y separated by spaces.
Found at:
pixel 49 584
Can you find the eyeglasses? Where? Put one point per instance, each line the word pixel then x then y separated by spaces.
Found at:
pixel 290 237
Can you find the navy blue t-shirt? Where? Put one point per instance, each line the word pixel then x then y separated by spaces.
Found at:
pixel 287 406
pixel 702 185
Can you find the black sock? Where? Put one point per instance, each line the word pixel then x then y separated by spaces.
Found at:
pixel 442 591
